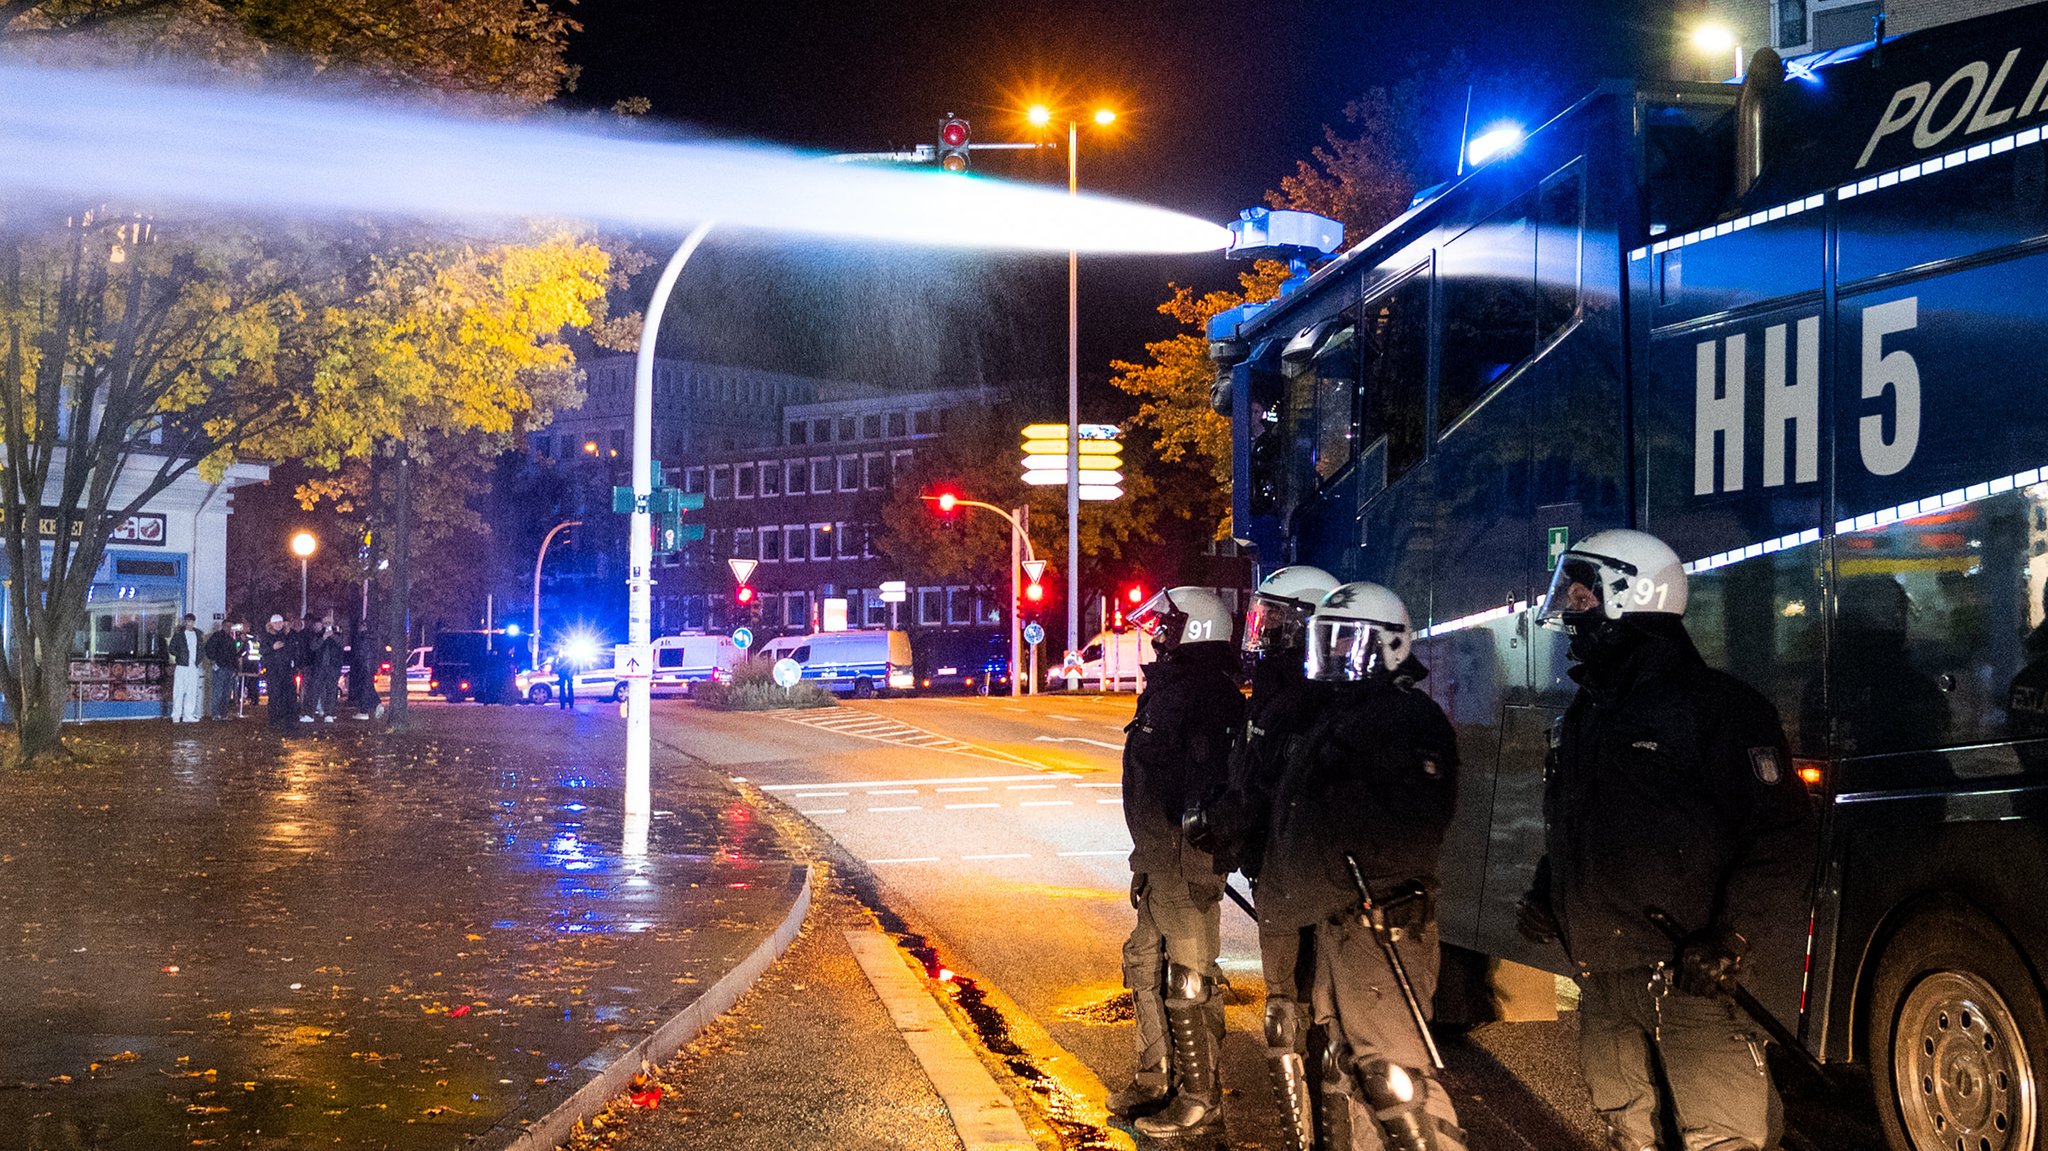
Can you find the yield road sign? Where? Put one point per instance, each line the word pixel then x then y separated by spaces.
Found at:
pixel 742 569
pixel 1034 569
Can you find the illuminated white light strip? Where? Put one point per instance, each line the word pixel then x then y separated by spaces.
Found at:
pixel 1913 171
pixel 1931 504
pixel 1473 620
pixel 1750 551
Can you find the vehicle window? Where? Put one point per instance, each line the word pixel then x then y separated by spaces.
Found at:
pixel 1328 384
pixel 1488 278
pixel 1394 363
pixel 1559 239
pixel 1092 652
pixel 668 657
pixel 802 654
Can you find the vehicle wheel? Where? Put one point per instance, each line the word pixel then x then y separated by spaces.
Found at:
pixel 619 693
pixel 863 688
pixel 1956 1026
pixel 539 693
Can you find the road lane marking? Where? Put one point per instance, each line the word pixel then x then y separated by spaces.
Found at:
pixel 1109 800
pixel 1031 787
pixel 967 806
pixel 1047 803
pixel 1068 718
pixel 823 811
pixel 1074 854
pixel 944 789
pixel 825 794
pixel 919 782
pixel 1001 855
pixel 982 1115
pixel 912 807
pixel 1077 739
pixel 882 729
pixel 908 859
pixel 1098 785
pixel 896 791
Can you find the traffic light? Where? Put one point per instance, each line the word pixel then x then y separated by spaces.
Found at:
pixel 1034 592
pixel 953 144
pixel 743 596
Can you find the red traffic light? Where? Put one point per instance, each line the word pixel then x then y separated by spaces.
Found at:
pixel 954 133
pixel 947 501
pixel 1135 593
pixel 745 595
pixel 1034 593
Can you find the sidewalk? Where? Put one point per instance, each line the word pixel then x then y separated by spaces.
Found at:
pixel 217 937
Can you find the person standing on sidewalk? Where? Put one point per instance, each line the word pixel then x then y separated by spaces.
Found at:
pixel 1670 785
pixel 325 658
pixel 188 671
pixel 1234 827
pixel 280 666
pixel 224 662
pixel 1177 751
pixel 1375 779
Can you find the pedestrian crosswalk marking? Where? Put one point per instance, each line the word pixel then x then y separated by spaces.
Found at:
pixel 882 729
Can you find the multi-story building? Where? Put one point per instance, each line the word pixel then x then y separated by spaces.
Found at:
pixel 699 409
pixel 1798 27
pixel 807 509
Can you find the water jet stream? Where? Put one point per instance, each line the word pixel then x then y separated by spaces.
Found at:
pixel 132 138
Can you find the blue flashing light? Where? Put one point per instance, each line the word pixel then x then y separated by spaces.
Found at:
pixel 579 649
pixel 512 630
pixel 1497 140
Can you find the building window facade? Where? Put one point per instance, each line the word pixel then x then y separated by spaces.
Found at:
pixel 771 478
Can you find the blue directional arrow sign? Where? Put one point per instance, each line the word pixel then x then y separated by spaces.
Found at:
pixel 743 637
pixel 1034 634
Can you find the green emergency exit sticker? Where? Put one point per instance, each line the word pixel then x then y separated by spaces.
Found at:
pixel 1559 540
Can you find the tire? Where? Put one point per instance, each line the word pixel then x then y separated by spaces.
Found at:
pixel 1958 1038
pixel 539 693
pixel 863 688
pixel 619 693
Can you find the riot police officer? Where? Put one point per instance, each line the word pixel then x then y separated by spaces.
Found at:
pixel 1284 703
pixel 1375 780
pixel 1176 751
pixel 1670 785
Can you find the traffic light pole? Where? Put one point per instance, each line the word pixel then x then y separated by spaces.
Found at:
pixel 1073 418
pixel 640 538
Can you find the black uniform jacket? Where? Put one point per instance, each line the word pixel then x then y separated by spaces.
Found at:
pixel 1284 704
pixel 1375 776
pixel 1670 784
pixel 1176 752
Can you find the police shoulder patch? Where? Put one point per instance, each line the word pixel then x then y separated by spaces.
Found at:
pixel 1764 762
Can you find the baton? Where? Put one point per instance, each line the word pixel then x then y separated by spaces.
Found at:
pixel 1376 920
pixel 1751 1007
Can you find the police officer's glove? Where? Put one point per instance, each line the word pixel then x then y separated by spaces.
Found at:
pixel 1710 961
pixel 1535 920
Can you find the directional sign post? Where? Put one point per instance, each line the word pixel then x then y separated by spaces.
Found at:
pixel 633 660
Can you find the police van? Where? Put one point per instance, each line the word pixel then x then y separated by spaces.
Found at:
pixel 680 663
pixel 1797 329
pixel 857 663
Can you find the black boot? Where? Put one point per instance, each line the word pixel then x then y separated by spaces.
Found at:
pixel 1147 1092
pixel 1197 1106
pixel 1290 1089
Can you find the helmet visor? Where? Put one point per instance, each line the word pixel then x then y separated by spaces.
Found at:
pixel 1342 650
pixel 1161 622
pixel 1575 587
pixel 1274 624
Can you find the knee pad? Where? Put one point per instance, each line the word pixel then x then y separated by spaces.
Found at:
pixel 1396 1099
pixel 1188 984
pixel 1284 1030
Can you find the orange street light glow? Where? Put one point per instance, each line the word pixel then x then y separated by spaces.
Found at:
pixel 1105 117
pixel 1039 114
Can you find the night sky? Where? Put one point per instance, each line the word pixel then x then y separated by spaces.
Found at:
pixel 1217 102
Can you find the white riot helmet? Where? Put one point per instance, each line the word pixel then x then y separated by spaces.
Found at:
pixel 1278 617
pixel 1181 615
pixel 1357 629
pixel 1612 574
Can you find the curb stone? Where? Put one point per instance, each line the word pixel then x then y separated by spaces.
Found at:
pixel 605 1073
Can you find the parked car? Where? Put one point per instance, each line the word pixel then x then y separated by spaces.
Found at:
pixel 856 663
pixel 418 671
pixel 475 665
pixel 957 661
pixel 679 662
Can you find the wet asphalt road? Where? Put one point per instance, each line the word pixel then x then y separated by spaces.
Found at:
pixel 214 937
pixel 994 827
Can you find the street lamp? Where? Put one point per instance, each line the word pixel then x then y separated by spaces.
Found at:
pixel 1719 40
pixel 303 546
pixel 1020 554
pixel 1041 115
pixel 533 638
